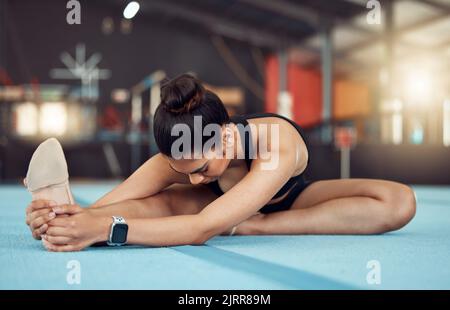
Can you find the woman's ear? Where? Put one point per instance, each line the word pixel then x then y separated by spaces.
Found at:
pixel 227 139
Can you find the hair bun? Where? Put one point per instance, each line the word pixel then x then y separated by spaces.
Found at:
pixel 181 94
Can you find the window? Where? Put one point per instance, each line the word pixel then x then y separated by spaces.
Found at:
pixel 446 123
pixel 53 118
pixel 26 119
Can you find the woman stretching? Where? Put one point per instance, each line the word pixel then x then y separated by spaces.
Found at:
pixel 248 182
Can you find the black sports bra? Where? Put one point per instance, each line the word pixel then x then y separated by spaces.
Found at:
pixel 248 147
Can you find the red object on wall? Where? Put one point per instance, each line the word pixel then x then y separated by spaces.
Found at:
pixel 305 88
pixel 271 88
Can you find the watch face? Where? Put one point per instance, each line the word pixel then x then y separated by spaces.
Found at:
pixel 120 233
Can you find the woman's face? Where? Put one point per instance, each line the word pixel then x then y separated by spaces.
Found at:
pixel 211 166
pixel 200 171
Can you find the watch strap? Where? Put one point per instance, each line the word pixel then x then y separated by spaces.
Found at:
pixel 118 220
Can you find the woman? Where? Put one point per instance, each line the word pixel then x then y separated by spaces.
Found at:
pixel 173 199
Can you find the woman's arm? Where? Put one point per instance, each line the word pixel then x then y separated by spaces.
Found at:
pixel 235 206
pixel 232 208
pixel 152 177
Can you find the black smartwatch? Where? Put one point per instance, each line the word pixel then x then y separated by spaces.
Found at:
pixel 119 232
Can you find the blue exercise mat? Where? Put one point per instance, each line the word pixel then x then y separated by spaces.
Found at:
pixel 415 257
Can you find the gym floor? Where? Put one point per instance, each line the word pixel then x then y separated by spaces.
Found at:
pixel 415 257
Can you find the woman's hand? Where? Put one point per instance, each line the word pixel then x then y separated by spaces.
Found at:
pixel 38 214
pixel 80 229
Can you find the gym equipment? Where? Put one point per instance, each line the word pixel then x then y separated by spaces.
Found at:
pixel 152 83
pixel 345 139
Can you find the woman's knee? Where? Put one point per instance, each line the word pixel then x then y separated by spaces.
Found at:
pixel 157 205
pixel 258 224
pixel 399 203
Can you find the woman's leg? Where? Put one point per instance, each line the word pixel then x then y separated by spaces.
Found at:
pixel 177 199
pixel 352 206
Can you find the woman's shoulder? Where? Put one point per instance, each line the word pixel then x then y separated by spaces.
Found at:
pixel 263 118
pixel 270 123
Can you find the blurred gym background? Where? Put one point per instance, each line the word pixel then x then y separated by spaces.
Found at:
pixel 368 80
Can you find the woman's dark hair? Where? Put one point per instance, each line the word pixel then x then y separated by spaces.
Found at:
pixel 182 98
